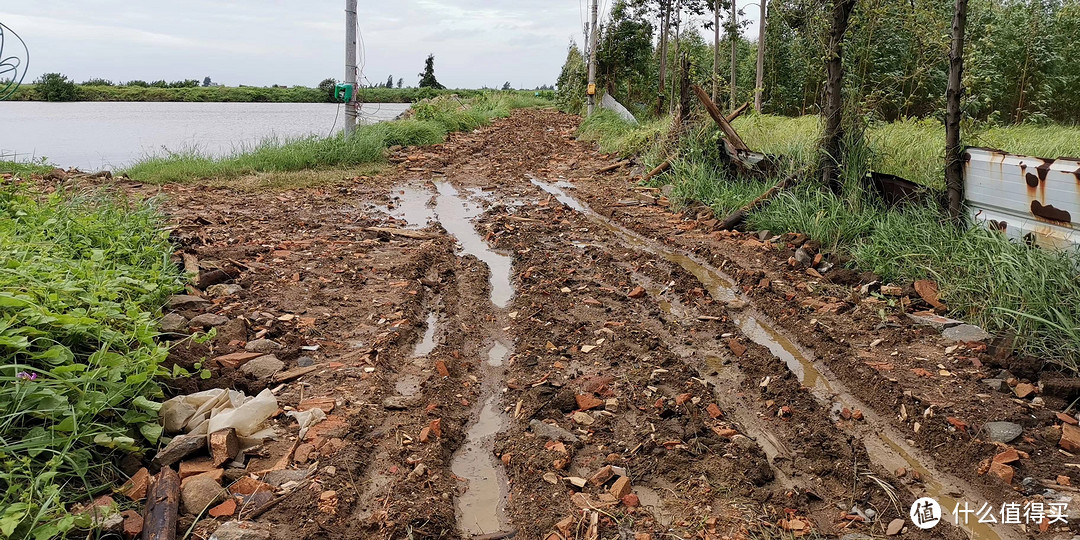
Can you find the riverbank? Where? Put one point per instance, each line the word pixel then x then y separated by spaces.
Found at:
pixel 244 94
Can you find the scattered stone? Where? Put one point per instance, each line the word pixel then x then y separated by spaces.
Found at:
pixel 551 478
pixel 901 472
pixel 135 488
pixel 1067 419
pixel 965 333
pixel 803 257
pixel 133 524
pixel 929 318
pixel 242 530
pixel 207 320
pixel 223 289
pixel 246 485
pixel 631 500
pixel 892 290
pixel 216 475
pixel 583 418
pixel 1008 456
pixel 714 411
pixel 601 476
pixel 235 330
pixel 305 361
pixel 764 235
pixel 397 403
pixel 224 446
pixel 552 432
pixel 1003 432
pixel 857 415
pixel 895 526
pixel 620 488
pixel 224 509
pixel 738 349
pixel 1063 480
pixel 1070 438
pixel 998 385
pixel 184 302
pixel 200 492
pixel 236 359
pixel 265 346
pixel 1003 471
pixel 197 466
pixel 419 472
pixel 279 477
pixel 173 323
pixel 586 401
pixel 736 304
pixel 576 481
pixel 638 292
pixel 263 367
pixel 180 447
pixel 1023 390
pixel 440 366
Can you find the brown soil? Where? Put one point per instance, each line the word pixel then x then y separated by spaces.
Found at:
pixel 719 438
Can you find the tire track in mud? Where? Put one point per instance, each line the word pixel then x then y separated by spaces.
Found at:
pixel 880 444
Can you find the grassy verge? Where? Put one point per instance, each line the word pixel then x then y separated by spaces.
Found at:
pixel 20 168
pixel 80 288
pixel 984 278
pixel 432 121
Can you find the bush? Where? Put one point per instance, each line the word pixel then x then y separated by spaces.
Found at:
pixel 55 87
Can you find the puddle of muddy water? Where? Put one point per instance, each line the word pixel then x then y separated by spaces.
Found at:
pixel 456 214
pixel 482 507
pixel 427 344
pixel 884 446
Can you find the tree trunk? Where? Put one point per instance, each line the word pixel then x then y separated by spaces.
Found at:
pixel 664 19
pixel 716 50
pixel 759 80
pixel 954 163
pixel 734 51
pixel 832 141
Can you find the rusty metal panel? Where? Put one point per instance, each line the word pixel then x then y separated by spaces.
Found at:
pixel 1028 198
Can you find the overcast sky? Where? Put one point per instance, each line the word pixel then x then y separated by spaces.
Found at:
pixel 298 42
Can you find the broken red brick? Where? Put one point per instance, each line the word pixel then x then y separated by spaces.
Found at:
pixel 1006 457
pixel 246 485
pixel 857 415
pixel 1067 419
pixel 440 366
pixel 601 476
pixel 436 427
pixel 1024 390
pixel 135 488
pixel 638 292
pixel 224 446
pixel 325 403
pixel 1070 438
pixel 631 500
pixel 1003 471
pixel 1063 480
pixel 957 423
pixel 714 411
pixel 682 399
pixel 224 509
pixel 620 488
pixel 425 434
pixel 738 349
pixel 193 467
pixel 586 402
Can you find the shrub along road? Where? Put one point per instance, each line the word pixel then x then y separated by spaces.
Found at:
pixel 505 340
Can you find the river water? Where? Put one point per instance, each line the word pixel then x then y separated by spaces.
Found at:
pixel 99 135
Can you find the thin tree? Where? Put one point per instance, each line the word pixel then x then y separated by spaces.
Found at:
pixel 954 163
pixel 427 78
pixel 832 144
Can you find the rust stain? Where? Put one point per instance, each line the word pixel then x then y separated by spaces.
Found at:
pixel 1032 180
pixel 1044 169
pixel 1000 226
pixel 1050 213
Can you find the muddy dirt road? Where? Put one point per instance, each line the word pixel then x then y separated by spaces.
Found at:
pixel 509 343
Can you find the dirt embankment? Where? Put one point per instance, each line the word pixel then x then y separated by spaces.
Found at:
pixel 545 351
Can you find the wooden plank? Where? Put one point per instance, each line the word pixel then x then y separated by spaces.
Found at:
pixel 737 112
pixel 658 170
pixel 736 218
pixel 733 138
pixel 162 506
pixel 407 233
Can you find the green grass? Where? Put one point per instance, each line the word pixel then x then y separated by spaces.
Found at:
pixel 20 168
pixel 81 283
pixel 986 279
pixel 432 120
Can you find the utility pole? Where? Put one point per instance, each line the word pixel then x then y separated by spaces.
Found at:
pixel 734 50
pixel 716 50
pixel 592 58
pixel 759 83
pixel 954 151
pixel 350 64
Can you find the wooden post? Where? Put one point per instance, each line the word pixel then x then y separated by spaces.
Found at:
pixel 162 506
pixel 684 89
pixel 737 112
pixel 733 138
pixel 954 159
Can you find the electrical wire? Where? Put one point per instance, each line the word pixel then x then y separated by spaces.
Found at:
pixel 9 65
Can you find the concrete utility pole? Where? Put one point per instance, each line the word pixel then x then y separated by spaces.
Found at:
pixel 350 64
pixel 759 85
pixel 592 58
pixel 716 51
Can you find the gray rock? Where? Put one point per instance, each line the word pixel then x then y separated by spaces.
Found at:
pixel 263 367
pixel 199 493
pixel 803 257
pixel 965 333
pixel 764 235
pixel 1003 432
pixel 234 330
pixel 208 319
pixel 173 323
pixel 242 530
pixel 185 302
pixel 279 477
pixel 996 384
pixel 305 361
pixel 549 431
pixel 179 448
pixel 265 346
pixel 856 536
pixel 398 403
pixel 1005 375
pixel 936 321
pixel 223 289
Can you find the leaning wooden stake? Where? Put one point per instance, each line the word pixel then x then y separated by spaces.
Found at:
pixel 714 111
pixel 162 505
pixel 736 218
pixel 737 112
pixel 658 170
pixel 612 167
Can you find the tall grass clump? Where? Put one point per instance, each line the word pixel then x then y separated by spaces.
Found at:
pixel 81 283
pixel 430 123
pixel 615 135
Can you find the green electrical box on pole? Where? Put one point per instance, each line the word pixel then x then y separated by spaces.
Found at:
pixel 343 93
